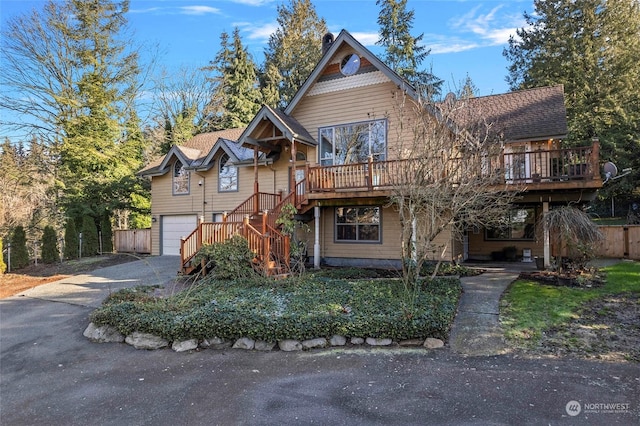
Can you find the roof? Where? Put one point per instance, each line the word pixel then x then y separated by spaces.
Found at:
pixel 346 38
pixel 194 152
pixel 288 125
pixel 524 115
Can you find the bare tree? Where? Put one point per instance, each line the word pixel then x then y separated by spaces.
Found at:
pixel 449 178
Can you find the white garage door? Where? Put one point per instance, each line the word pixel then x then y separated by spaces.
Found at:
pixel 173 229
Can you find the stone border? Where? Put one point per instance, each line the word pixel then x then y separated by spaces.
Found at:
pixel 108 333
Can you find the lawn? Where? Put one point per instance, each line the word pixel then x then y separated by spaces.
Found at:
pixel 531 312
pixel 350 304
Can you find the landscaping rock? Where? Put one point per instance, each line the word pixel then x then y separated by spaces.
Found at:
pixel 318 342
pixel 186 345
pixel 411 342
pixel 289 345
pixel 103 334
pixel 338 340
pixel 357 340
pixel 372 341
pixel 146 341
pixel 244 343
pixel 431 343
pixel 215 343
pixel 261 345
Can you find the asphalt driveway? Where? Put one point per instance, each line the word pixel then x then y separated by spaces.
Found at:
pixel 50 374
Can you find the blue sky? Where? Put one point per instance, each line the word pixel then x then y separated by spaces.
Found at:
pixel 465 37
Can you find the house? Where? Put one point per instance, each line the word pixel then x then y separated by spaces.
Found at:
pixel 237 180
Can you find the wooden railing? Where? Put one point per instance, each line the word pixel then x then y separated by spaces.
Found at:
pixel 257 202
pixel 522 167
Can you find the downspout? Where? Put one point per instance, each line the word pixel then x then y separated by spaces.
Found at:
pixel 546 236
pixel 201 184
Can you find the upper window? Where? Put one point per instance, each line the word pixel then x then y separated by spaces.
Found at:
pixel 519 224
pixel 358 224
pixel 180 179
pixel 227 175
pixel 353 143
pixel 350 64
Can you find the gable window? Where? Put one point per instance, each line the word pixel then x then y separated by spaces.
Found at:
pixel 180 179
pixel 358 224
pixel 227 175
pixel 518 224
pixel 353 143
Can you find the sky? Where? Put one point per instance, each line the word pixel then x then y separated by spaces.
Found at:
pixel 466 37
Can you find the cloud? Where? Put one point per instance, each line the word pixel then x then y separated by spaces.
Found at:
pixel 475 30
pixel 253 2
pixel 366 38
pixel 198 10
pixel 259 33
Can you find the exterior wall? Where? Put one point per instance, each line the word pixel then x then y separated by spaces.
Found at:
pixel 385 254
pixel 349 106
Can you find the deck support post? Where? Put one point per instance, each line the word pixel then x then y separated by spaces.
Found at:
pixel 316 241
pixel 546 236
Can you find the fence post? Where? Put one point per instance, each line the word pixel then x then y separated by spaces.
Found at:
pixel 8 257
pixel 80 245
pixel 35 253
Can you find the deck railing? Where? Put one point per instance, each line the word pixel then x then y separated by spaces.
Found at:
pixel 514 167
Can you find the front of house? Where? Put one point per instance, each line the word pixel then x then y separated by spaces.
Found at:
pixel 333 154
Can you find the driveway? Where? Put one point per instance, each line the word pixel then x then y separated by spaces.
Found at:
pixel 51 374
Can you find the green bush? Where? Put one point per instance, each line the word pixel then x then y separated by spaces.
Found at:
pixel 90 242
pixel 19 253
pixel 3 266
pixel 107 235
pixel 310 308
pixel 70 240
pixel 231 259
pixel 50 253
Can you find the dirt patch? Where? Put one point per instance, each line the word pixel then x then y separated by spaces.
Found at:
pixel 33 276
pixel 607 329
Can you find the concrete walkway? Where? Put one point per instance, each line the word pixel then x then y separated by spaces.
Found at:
pixel 476 329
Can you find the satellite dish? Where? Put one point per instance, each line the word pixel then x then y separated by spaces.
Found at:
pixel 610 171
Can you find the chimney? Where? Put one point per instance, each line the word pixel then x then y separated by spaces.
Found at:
pixel 327 41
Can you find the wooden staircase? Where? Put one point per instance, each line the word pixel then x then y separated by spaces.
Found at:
pixel 255 220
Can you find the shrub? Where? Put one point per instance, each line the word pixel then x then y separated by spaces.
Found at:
pixel 231 259
pixel 107 235
pixel 19 253
pixel 70 240
pixel 90 243
pixel 3 266
pixel 50 253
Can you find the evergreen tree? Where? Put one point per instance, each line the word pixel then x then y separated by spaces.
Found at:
pixel 3 265
pixel 71 241
pixel 269 80
pixel 50 253
pixel 107 235
pixel 19 253
pixel 296 46
pixel 403 52
pixel 592 47
pixel 90 242
pixel 242 94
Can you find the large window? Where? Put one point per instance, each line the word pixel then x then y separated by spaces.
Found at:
pixel 519 224
pixel 180 179
pixel 227 175
pixel 353 143
pixel 358 224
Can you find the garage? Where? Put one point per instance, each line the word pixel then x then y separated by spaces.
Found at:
pixel 173 229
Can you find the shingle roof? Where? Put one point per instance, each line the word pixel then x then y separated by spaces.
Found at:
pixel 198 147
pixel 537 113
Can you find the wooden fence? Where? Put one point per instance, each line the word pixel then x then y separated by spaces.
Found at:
pixel 620 241
pixel 132 241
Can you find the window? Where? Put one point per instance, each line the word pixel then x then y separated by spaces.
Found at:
pixel 519 224
pixel 180 179
pixel 227 175
pixel 358 224
pixel 350 64
pixel 353 143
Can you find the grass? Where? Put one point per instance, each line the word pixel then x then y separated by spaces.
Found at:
pixel 316 305
pixel 528 308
